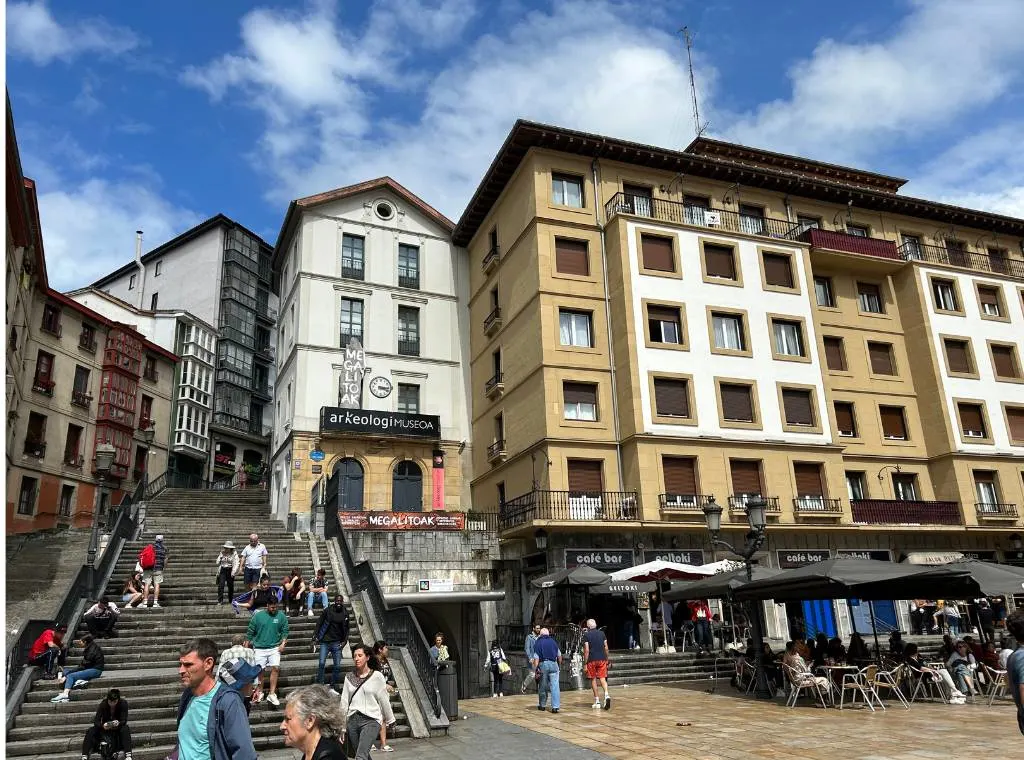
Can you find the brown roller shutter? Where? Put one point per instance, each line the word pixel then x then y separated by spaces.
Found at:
pixel 746 475
pixel 970 418
pixel 1015 422
pixel 663 313
pixel 1002 358
pixel 579 393
pixel 844 418
pixel 835 357
pixel 657 253
pixel 893 423
pixel 671 398
pixel 719 261
pixel 737 402
pixel 808 479
pixel 585 476
pixel 797 404
pixel 680 475
pixel 988 297
pixel 880 355
pixel 957 356
pixel 777 270
pixel 571 257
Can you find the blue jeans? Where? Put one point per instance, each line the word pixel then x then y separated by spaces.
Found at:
pixel 81 675
pixel 335 649
pixel 312 596
pixel 549 682
pixel 954 625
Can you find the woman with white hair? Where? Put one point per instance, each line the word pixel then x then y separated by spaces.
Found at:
pixel 313 722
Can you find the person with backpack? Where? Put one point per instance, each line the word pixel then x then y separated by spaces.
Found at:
pixel 497 664
pixel 152 560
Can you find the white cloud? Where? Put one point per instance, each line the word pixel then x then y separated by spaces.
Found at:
pixel 34 33
pixel 86 101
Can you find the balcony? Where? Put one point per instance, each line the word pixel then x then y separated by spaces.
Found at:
pixel 681 213
pixel 493 321
pixel 51 326
pixel 150 374
pixel 74 460
pixel 352 273
pixel 840 241
pixel 410 280
pixel 601 506
pixel 894 512
pixel 35 449
pixel 81 398
pixel 497 452
pixel 491 259
pixel 495 386
pixel 43 385
pixel 686 503
pixel 145 423
pixel 738 503
pixel 347 337
pixel 265 352
pixel 993 511
pixel 408 347
pixel 817 506
pixel 256 427
pixel 980 262
pixel 263 389
pixel 87 342
pixel 265 311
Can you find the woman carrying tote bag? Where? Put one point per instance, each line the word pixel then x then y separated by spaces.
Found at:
pixel 365 703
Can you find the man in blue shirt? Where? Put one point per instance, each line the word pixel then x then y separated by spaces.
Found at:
pixel 1015 664
pixel 531 639
pixel 547 658
pixel 212 722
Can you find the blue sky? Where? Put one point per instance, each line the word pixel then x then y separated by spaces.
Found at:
pixel 158 115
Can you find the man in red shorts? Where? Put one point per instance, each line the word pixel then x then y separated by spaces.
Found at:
pixel 595 655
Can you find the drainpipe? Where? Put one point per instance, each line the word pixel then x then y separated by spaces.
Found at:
pixel 598 205
pixel 141 268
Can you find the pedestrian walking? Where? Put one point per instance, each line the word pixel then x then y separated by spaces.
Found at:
pixel 595 655
pixel 700 613
pixel 547 660
pixel 110 726
pixel 364 703
pixel 212 724
pixel 380 653
pixel 268 632
pixel 92 665
pixel 314 723
pixel 239 671
pixel 154 574
pixel 228 563
pixel 101 618
pixel 497 664
pixel 1015 665
pixel 254 561
pixel 531 640
pixel 49 651
pixel 331 634
pixel 317 590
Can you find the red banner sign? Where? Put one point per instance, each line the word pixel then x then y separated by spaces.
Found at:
pixel 402 520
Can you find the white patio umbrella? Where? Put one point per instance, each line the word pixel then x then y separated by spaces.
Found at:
pixel 659 570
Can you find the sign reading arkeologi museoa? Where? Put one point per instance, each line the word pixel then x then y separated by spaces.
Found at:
pixel 402 520
pixel 350 385
pixel 370 422
pixel 599 559
pixel 790 558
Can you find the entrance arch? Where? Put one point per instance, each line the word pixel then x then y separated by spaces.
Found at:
pixel 348 477
pixel 407 488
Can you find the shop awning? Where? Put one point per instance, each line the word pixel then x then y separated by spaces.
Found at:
pixel 932 558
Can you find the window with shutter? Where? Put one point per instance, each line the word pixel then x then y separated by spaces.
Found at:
pixel 1005 361
pixel 972 420
pixel 798 406
pixel 808 479
pixel 719 261
pixel 986 489
pixel 823 292
pixel 664 324
pixel 1015 423
pixel 778 271
pixel 880 355
pixel 580 400
pixel 737 402
pixel 671 397
pixel 845 422
pixel 835 355
pixel 958 356
pixel 894 425
pixel 746 476
pixel 656 253
pixel 869 298
pixel 904 487
pixel 788 338
pixel 571 257
pixel 990 301
pixel 945 295
pixel 584 476
pixel 680 475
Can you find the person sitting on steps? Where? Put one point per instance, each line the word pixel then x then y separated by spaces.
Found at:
pixel 91 667
pixel 260 597
pixel 49 651
pixel 294 591
pixel 101 618
pixel 110 725
pixel 131 594
pixel 317 590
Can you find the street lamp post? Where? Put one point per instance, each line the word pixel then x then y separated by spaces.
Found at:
pixel 147 435
pixel 754 541
pixel 102 463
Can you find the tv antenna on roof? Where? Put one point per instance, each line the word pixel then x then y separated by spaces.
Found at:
pixel 697 126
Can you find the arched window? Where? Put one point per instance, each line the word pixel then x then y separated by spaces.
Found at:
pixel 407 488
pixel 348 479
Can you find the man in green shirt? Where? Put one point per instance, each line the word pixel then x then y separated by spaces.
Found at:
pixel 268 633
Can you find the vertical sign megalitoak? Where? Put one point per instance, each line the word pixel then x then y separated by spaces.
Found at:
pixel 350 387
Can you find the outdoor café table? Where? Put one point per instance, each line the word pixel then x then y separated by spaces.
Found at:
pixel 834 671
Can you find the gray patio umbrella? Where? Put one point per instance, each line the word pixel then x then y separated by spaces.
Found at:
pixel 582 575
pixel 717 586
pixel 991 579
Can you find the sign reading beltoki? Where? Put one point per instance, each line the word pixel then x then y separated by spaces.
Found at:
pixel 350 385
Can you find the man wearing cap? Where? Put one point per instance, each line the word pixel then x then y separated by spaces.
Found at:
pixel 227 563
pixel 237 669
pixel 254 561
pixel 155 575
pixel 111 725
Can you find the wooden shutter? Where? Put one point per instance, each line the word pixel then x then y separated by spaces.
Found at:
pixel 737 402
pixel 1015 422
pixel 746 475
pixel 657 253
pixel 893 423
pixel 719 261
pixel 970 418
pixel 844 417
pixel 663 314
pixel 957 356
pixel 680 475
pixel 579 393
pixel 571 257
pixel 1002 358
pixel 835 357
pixel 880 355
pixel 777 270
pixel 797 404
pixel 808 479
pixel 671 397
pixel 989 297
pixel 585 476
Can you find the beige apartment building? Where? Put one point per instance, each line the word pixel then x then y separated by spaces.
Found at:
pixel 651 330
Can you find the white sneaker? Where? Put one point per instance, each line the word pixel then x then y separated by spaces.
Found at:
pixel 272 699
pixel 596 705
pixel 309 614
pixel 80 684
pixel 156 605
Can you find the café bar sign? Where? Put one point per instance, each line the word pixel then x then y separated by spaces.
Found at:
pixel 370 422
pixel 599 559
pixel 402 521
pixel 791 558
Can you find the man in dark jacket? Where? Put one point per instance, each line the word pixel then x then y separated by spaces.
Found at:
pixel 332 634
pixel 93 662
pixel 110 724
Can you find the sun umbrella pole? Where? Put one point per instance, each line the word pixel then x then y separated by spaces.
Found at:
pixel 874 628
pixel 853 620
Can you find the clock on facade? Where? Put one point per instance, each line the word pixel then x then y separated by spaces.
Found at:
pixel 380 387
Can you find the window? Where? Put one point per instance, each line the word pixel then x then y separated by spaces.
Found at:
pixel 728 331
pixel 81 384
pixel 149 369
pixel 1015 422
pixel 857 230
pixel 990 301
pixel 746 478
pixel 351 321
pixel 904 486
pixel 657 254
pixel 869 298
pixel 808 223
pixel 146 411
pixel 73 445
pixel 823 293
pixel 694 209
pixel 152 301
pixel 408 331
pixel 881 358
pixel 751 219
pixel 664 324
pixel 809 489
pixel 352 261
pixel 972 420
pixel 638 199
pixel 798 405
pixel 911 246
pixel 158 268
pixel 51 319
pixel 580 401
pixel 846 423
pixel 719 262
pixel 585 478
pixel 835 353
pixel 671 397
pixel 35 435
pixel 944 293
pixel 567 190
pixel 788 338
pixel 27 495
pixel 499 429
pixel 778 271
pixel 958 356
pixel 572 257
pixel 987 491
pixel 574 328
pixel 408 398
pixel 131 282
pixel 737 402
pixel 43 380
pixel 855 488
pixel 407 488
pixel 680 474
pixel 894 423
pixel 408 266
pixel 67 500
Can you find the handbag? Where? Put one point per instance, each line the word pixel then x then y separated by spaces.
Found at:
pixel 504 667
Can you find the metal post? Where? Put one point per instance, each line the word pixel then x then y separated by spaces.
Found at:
pixel 94 537
pixel 762 689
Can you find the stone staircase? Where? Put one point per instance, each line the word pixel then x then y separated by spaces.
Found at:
pixel 142 661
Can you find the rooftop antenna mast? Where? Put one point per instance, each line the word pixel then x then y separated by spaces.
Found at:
pixel 698 127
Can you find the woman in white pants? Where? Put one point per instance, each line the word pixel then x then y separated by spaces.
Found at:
pixel 940 676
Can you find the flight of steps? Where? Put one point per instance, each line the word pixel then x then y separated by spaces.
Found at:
pixel 142 661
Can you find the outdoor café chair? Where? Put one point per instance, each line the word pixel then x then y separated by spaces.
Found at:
pixel 997 683
pixel 890 680
pixel 860 683
pixel 925 686
pixel 801 682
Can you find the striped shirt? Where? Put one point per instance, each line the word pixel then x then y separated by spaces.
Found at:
pixel 161 555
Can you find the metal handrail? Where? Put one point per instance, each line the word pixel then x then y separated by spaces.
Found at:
pixel 985 262
pixel 685 213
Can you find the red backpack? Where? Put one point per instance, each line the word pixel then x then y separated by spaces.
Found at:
pixel 147 557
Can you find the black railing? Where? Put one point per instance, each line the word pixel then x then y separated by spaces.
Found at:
pixel 151 374
pixel 492 319
pixel 610 506
pixel 51 327
pixel 739 503
pixel 817 505
pixel 493 383
pixel 491 257
pixel 409 281
pixel 238 481
pixel 684 502
pixel 496 449
pixel 87 343
pixel 960 257
pixel 35 449
pixel 81 398
pixel 352 273
pixel 266 311
pixel 906 512
pixel 992 509
pixel 408 347
pixel 482 521
pixel 43 385
pixel 684 213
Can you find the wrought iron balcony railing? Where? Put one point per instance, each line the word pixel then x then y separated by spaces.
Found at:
pixel 408 347
pixel 816 505
pixel 409 281
pixel 959 257
pixel 34 448
pixel 496 450
pixel 495 385
pixel 997 511
pixel 352 273
pixel 490 259
pixel 683 502
pixel 43 385
pixel 601 506
pixel 896 512
pixel 87 343
pixel 493 320
pixel 738 503
pixel 81 398
pixel 684 213
pixel 841 241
